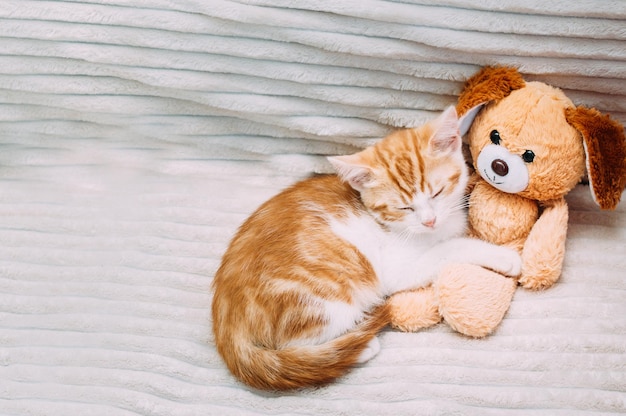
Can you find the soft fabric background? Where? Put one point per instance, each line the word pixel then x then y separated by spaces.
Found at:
pixel 136 135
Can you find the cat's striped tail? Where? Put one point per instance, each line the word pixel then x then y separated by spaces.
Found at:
pixel 305 366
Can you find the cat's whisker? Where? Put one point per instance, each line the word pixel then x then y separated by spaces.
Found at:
pixel 463 204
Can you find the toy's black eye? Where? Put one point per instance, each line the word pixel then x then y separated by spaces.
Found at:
pixel 495 137
pixel 528 156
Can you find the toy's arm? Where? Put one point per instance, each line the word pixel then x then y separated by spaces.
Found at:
pixel 544 249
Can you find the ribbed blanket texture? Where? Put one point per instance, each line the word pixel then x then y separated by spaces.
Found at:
pixel 137 135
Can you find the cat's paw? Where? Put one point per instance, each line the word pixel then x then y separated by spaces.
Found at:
pixel 506 261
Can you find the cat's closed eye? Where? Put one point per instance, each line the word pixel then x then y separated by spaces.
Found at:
pixel 407 208
pixel 436 194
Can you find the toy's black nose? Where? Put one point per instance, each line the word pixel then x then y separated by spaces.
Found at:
pixel 500 167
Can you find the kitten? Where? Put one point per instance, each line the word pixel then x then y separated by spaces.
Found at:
pixel 299 296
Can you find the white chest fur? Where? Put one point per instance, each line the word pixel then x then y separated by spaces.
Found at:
pixel 400 261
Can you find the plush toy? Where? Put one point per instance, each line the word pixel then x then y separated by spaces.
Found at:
pixel 529 147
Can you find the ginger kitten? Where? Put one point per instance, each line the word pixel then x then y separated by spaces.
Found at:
pixel 299 296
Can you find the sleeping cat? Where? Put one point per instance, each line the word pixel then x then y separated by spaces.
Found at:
pixel 299 296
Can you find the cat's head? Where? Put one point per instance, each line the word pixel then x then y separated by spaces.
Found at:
pixel 413 179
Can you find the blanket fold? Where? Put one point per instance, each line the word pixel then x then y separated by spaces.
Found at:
pixel 137 135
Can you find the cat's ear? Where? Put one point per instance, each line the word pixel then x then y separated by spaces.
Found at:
pixel 351 169
pixel 466 120
pixel 446 137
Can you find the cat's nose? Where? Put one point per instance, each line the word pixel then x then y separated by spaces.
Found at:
pixel 430 223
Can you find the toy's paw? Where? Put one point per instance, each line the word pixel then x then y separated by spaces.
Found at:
pixel 506 261
pixel 413 310
pixel 473 300
pixel 540 281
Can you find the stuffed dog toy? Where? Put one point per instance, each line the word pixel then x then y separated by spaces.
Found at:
pixel 530 145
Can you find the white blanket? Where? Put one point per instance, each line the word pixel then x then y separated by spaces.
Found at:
pixel 136 135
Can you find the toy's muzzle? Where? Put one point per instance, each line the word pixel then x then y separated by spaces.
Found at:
pixel 502 169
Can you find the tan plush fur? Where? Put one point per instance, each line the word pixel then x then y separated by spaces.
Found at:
pixel 414 309
pixel 542 135
pixel 487 298
pixel 297 305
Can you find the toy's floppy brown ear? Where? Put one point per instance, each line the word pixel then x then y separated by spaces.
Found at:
pixel 490 83
pixel 605 146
